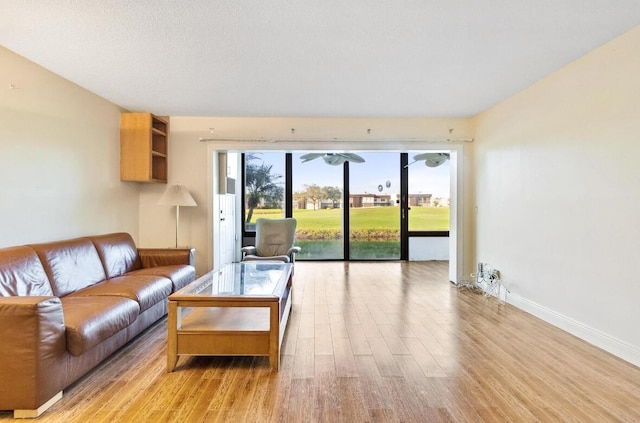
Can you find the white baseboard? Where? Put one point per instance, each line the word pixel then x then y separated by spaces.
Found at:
pixel 600 339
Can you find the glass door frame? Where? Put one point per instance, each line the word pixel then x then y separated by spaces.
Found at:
pixel 404 206
pixel 346 224
pixel 405 234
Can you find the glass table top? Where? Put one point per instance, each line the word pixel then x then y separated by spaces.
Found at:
pixel 250 278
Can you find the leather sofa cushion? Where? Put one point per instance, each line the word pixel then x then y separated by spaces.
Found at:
pixel 155 257
pixel 180 275
pixel 22 273
pixel 118 253
pixel 146 290
pixel 70 265
pixel 89 322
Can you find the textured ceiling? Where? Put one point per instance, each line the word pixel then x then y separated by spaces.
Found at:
pixel 323 58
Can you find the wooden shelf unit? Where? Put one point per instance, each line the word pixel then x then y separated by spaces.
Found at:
pixel 143 147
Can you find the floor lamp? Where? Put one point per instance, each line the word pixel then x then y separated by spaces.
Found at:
pixel 177 195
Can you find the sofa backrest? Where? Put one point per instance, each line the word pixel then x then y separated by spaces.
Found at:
pixel 70 265
pixel 118 253
pixel 22 273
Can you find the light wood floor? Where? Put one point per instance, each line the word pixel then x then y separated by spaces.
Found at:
pixel 371 342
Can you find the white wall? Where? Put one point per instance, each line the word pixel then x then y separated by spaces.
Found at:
pixel 558 196
pixel 191 164
pixel 59 159
pixel 429 248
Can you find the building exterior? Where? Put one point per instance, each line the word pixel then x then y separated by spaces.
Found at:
pixel 370 200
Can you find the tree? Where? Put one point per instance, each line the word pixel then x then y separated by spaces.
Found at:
pixel 314 194
pixel 332 193
pixel 300 197
pixel 262 186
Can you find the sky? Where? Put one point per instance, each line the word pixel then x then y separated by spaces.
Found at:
pixel 379 169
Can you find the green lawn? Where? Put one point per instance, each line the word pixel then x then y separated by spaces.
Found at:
pixel 383 218
pixel 375 232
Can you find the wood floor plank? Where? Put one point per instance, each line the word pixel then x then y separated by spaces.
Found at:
pixel 351 400
pixel 370 342
pixel 322 330
pixel 384 359
pixel 306 325
pixel 344 359
pixel 373 390
pixel 304 362
pixel 291 332
pixel 337 326
pixel 275 389
pixel 429 366
pixel 325 382
pixel 303 400
pixel 357 336
pixel 392 339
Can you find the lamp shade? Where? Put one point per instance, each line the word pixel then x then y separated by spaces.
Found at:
pixel 177 195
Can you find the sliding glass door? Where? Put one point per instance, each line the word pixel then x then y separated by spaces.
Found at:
pixel 264 187
pixel 318 206
pixel 353 206
pixel 374 207
pixel 429 196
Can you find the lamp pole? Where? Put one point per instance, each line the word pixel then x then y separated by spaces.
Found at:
pixel 177 223
pixel 177 196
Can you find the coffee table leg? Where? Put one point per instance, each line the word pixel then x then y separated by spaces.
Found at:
pixel 172 337
pixel 274 336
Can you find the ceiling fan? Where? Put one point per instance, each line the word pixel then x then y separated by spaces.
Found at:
pixel 333 159
pixel 431 159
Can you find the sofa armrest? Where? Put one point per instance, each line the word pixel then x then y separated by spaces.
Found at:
pixel 153 257
pixel 32 351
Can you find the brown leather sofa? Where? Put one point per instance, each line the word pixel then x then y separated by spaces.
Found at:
pixel 66 306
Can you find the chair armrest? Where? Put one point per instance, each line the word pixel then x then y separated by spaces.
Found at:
pixel 294 250
pixel 249 250
pixel 292 254
pixel 283 258
pixel 154 257
pixel 32 352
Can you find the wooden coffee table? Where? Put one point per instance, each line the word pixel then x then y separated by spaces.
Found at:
pixel 241 309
